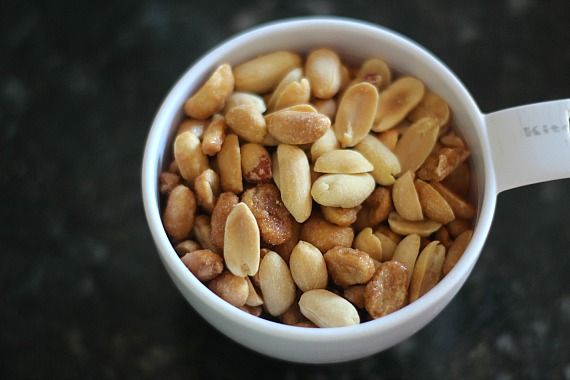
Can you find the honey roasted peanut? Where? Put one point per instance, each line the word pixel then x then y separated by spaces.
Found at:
pixel 387 291
pixel 179 213
pixel 349 266
pixel 325 235
pixel 204 264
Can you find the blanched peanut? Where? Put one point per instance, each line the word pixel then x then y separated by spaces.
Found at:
pixel 276 284
pixel 433 204
pixel 241 242
pixel 167 182
pixel 342 190
pixel 456 251
pixel 262 74
pixel 225 204
pixel 211 97
pixel 186 246
pixel 274 221
pixel 204 264
pixel 355 294
pixel 231 288
pixel 229 164
pixel 342 161
pixel 396 101
pixel 427 270
pixel 326 309
pixel 255 163
pixel 386 164
pixel 416 144
pixel 323 71
pixel 295 125
pixel 325 143
pixel 406 200
pixel 189 156
pixel 295 181
pixel 207 188
pixel 349 266
pixel 407 252
pixel 355 114
pixel 202 231
pixel 179 213
pixel 387 291
pixel 325 235
pixel 343 217
pixel 308 267
pixel 214 136
pixel 367 242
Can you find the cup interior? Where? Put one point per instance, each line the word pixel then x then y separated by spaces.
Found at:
pixel 354 41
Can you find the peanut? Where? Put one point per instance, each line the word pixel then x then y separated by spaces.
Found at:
pixel 195 126
pixel 230 288
pixel 457 227
pixel 167 182
pixel 327 107
pixel 295 75
pixel 406 200
pixel 276 284
pixel 432 105
pixel 255 163
pixel 387 291
pixel 433 204
pixel 456 251
pixel 459 180
pixel 407 252
pixel 342 161
pixel 389 138
pixel 297 126
pixel 225 204
pixel 239 98
pixel 202 231
pixel 247 122
pixel 367 242
pixel 460 208
pixel 295 181
pixel 416 144
pixel 186 246
pixel 212 96
pixel 294 93
pixel 241 242
pixel 214 136
pixel 308 267
pixel 323 71
pixel 376 72
pixel 325 143
pixel 253 298
pixel 349 266
pixel 378 205
pixel 207 187
pixel 441 163
pixel 325 235
pixel 343 217
pixel 397 101
pixel 427 270
pixel 189 156
pixel 179 213
pixel 356 113
pixel 204 264
pixel 386 164
pixel 401 226
pixel 388 245
pixel 263 73
pixel 326 309
pixel 342 190
pixel 229 164
pixel 355 294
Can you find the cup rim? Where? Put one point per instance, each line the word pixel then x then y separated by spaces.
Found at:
pixel 450 284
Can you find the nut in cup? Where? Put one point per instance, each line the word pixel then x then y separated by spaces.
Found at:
pixel 510 148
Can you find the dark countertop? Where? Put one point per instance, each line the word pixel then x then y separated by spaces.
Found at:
pixel 83 294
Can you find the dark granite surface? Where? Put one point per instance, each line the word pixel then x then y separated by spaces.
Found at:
pixel 82 292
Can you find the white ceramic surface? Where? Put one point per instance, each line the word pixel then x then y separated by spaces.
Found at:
pixel 509 148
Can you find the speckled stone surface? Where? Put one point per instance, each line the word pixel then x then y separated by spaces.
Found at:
pixel 82 291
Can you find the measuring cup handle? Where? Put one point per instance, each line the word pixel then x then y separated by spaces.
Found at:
pixel 530 143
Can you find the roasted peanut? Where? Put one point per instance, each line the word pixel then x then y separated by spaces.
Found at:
pixel 459 180
pixel 342 161
pixel 253 310
pixel 405 197
pixel 295 75
pixel 325 235
pixel 285 249
pixel 167 182
pixel 379 205
pixel 262 74
pixel 457 227
pixel 441 163
pixel 367 242
pixel 389 138
pixel 342 190
pixel 432 105
pixel 388 245
pixel 294 125
pixel 212 96
pixel 325 143
pixel 356 113
pixel 247 122
pixel 195 126
pixel 293 315
pixel 295 181
pixel 274 221
pixel 343 217
pixel 416 144
pixel 349 266
pixel 406 253
pixel 355 294
pixel 327 107
pixel 207 188
pixel 443 236
pixel 189 156
pixel 241 242
pixel 326 309
pixel 401 226
pixel 204 264
pixel 186 246
pixel 214 136
pixel 229 163
pixel 231 288
pixel 460 208
pixel 308 267
pixel 323 71
pixel 427 270
pixel 276 284
pixel 179 213
pixel 255 163
pixel 456 251
pixel 294 93
pixel 376 72
pixel 253 298
pixel 396 101
pixel 239 98
pixel 386 164
pixel 202 231
pixel 225 204
pixel 433 204
pixel 387 291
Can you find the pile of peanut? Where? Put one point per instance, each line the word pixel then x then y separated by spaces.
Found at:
pixel 315 193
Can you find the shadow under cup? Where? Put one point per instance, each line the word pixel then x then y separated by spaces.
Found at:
pixel 354 41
